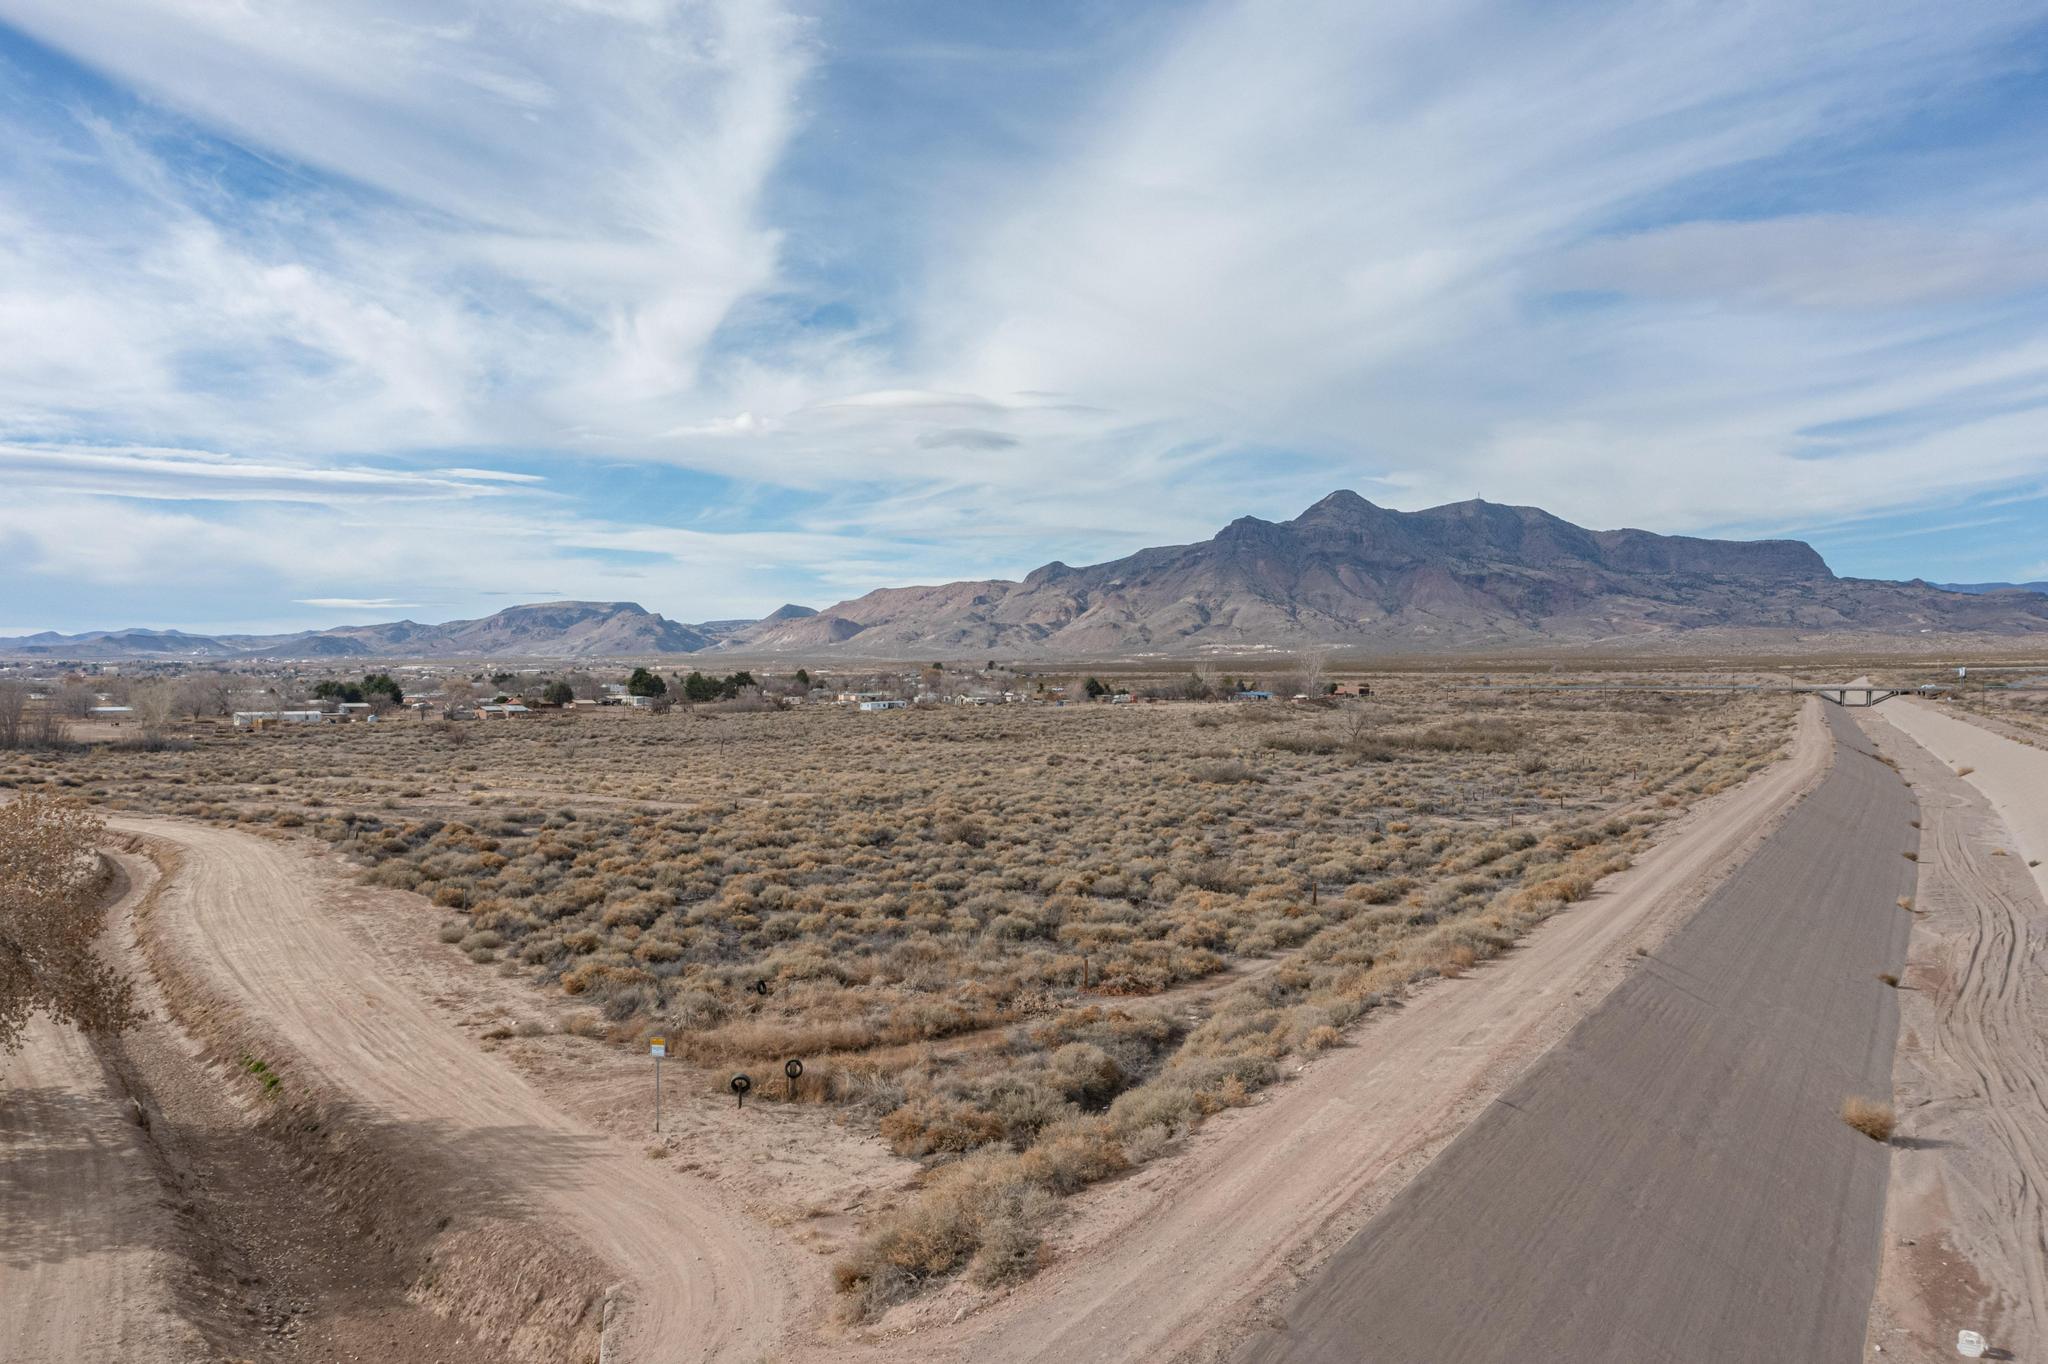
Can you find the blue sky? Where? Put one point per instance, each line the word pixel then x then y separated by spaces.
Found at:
pixel 314 314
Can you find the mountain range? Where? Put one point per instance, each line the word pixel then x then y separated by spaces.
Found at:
pixel 1343 574
pixel 559 629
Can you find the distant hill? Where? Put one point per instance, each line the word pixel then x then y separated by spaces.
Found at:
pixel 565 629
pixel 1345 574
pixel 1979 589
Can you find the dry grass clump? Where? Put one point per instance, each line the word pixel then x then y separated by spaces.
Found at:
pixel 1224 770
pixel 1872 1117
pixel 1025 946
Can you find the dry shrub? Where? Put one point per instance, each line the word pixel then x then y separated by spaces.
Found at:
pixel 1463 736
pixel 1872 1117
pixel 931 1125
pixel 987 1209
pixel 1223 771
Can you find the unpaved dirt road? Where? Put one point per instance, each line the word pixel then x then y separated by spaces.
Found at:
pixel 1673 1182
pixel 2013 776
pixel 1175 1261
pixel 1967 1221
pixel 702 1282
pixel 84 1273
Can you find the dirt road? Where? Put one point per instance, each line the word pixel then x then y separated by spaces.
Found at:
pixel 2012 776
pixel 702 1283
pixel 1175 1261
pixel 83 1261
pixel 1967 1221
pixel 1673 1182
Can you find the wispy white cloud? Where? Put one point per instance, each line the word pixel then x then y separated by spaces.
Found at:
pixel 528 212
pixel 1541 254
pixel 179 474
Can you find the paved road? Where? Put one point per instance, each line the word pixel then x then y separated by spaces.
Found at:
pixel 1672 1182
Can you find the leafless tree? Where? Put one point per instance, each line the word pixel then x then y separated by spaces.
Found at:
pixel 49 915
pixel 205 694
pixel 1315 670
pixel 75 701
pixel 455 695
pixel 154 704
pixel 13 710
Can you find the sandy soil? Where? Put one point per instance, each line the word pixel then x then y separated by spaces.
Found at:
pixel 1178 1260
pixel 1967 1220
pixel 701 1282
pixel 1672 1182
pixel 2012 776
pixel 86 1270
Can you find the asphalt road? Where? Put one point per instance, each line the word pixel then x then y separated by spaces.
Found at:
pixel 1672 1182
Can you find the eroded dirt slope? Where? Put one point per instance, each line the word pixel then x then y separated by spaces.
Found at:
pixel 86 1271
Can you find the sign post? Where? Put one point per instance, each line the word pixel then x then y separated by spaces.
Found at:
pixel 657 1047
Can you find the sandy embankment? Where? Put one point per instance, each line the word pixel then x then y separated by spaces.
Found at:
pixel 1967 1220
pixel 2013 777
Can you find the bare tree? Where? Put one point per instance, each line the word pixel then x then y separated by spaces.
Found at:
pixel 49 915
pixel 75 701
pixel 1315 670
pixel 456 694
pixel 204 694
pixel 13 708
pixel 154 705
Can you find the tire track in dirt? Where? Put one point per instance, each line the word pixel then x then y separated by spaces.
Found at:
pixel 84 1247
pixel 246 913
pixel 1972 1179
pixel 1177 1261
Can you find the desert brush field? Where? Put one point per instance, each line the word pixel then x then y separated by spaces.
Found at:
pixel 1026 947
